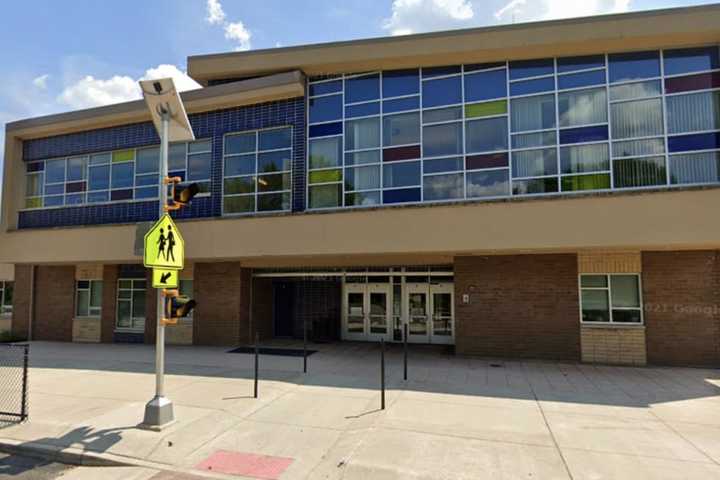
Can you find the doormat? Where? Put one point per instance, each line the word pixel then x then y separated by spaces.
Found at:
pixel 246 464
pixel 280 352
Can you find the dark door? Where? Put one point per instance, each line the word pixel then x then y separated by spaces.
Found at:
pixel 284 311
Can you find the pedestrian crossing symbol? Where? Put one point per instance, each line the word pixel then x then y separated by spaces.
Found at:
pixel 164 246
pixel 165 278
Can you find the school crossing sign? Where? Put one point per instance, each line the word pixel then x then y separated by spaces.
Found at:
pixel 164 246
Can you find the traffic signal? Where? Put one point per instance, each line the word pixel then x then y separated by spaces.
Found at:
pixel 176 306
pixel 180 196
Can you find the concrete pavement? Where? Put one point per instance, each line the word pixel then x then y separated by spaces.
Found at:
pixel 455 418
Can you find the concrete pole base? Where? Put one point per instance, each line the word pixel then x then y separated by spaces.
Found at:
pixel 159 414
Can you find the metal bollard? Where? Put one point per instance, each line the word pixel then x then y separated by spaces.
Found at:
pixel 257 361
pixel 382 374
pixel 405 352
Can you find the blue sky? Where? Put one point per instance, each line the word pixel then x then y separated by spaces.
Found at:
pixel 61 56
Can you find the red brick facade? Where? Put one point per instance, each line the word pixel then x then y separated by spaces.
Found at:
pixel 521 306
pixel 54 304
pixel 109 303
pixel 222 316
pixel 681 293
pixel 21 301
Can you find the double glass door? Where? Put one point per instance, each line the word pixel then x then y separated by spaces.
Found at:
pixel 427 309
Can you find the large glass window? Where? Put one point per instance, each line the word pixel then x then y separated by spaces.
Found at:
pixel 88 298
pixel 130 304
pixel 256 170
pixel 6 297
pixel 611 299
pixel 121 175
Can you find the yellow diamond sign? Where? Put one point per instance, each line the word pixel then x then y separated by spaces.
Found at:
pixel 165 278
pixel 164 246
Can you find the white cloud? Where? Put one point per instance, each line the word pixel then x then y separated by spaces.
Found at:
pixel 529 10
pixel 410 16
pixel 236 31
pixel 41 81
pixel 215 13
pixel 93 92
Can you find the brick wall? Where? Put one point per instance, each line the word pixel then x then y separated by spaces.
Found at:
pixel 109 302
pixel 520 306
pixel 86 330
pixel 222 314
pixel 680 293
pixel 150 310
pixel 54 303
pixel 613 345
pixel 21 301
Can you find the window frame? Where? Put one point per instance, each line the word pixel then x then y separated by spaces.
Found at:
pixel 6 310
pixel 93 312
pixel 133 328
pixel 608 289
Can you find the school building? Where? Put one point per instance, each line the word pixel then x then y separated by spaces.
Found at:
pixel 546 190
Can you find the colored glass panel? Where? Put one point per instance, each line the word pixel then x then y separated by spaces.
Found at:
pixel 325 196
pixel 688 60
pixel 430 72
pixel 401 153
pixel 123 156
pixel 121 195
pixel 401 195
pixel 443 91
pixel 583 79
pixel 494 160
pixel 325 109
pixel 573 64
pixel 485 85
pixel 401 104
pixel 361 89
pixel 583 134
pixel 325 176
pixel 400 82
pixel 325 87
pixel 586 182
pixel 362 110
pixel 633 66
pixel 325 130
pixel 528 87
pixel 531 68
pixel 698 141
pixel 700 81
pixel 486 109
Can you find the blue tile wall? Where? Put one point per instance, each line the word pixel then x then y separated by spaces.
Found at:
pixel 212 125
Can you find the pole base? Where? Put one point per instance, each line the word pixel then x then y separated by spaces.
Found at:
pixel 158 414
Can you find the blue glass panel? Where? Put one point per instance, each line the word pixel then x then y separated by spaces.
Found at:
pixel 402 195
pixel 473 67
pixel 74 199
pixel 485 85
pixel 325 129
pixel 532 86
pixel 430 72
pixel 199 166
pixel 122 175
pixel 76 168
pixel 54 189
pixel 326 87
pixel 95 197
pixel 180 174
pixel 584 79
pixel 145 180
pixel 362 110
pixel 275 138
pixel 401 104
pixel 324 109
pixel 445 91
pixel 35 167
pixel 55 171
pixel 361 89
pixel 688 60
pixel 53 201
pixel 148 160
pixel 146 192
pixel 698 141
pixel 439 165
pixel 400 82
pixel 99 178
pixel 531 68
pixel 631 66
pixel 572 64
pixel 584 134
pixel 403 174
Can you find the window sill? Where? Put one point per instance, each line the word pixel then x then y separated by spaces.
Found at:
pixel 631 326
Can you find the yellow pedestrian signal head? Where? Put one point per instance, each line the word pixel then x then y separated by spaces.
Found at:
pixel 177 306
pixel 185 195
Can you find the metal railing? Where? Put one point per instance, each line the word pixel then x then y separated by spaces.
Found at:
pixel 14 382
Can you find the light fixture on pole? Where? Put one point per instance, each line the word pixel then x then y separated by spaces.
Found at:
pixel 172 124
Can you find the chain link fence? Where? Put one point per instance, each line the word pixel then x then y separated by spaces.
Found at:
pixel 14 383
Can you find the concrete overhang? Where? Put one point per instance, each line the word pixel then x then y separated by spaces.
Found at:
pixel 676 27
pixel 247 92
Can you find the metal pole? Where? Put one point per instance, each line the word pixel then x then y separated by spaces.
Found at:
pixel 304 344
pixel 405 351
pixel 159 411
pixel 382 374
pixel 24 406
pixel 257 361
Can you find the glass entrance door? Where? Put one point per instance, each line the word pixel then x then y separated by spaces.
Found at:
pixel 367 311
pixel 417 312
pixel 442 313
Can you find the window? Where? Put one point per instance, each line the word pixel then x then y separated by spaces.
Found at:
pixel 693 112
pixel 611 299
pixel 256 171
pixel 130 174
pixel 131 304
pixel 583 107
pixel 6 298
pixel 532 113
pixel 88 298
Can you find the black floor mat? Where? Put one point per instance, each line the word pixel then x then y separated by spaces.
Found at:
pixel 281 352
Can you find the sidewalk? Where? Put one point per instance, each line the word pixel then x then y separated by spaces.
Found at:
pixel 455 418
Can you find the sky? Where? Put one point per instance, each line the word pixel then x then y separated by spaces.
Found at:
pixel 74 54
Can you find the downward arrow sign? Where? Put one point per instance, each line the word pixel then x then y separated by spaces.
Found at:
pixel 164 277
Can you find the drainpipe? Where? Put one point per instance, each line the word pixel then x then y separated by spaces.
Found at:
pixel 31 309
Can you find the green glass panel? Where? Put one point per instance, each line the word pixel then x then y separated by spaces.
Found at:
pixel 324 176
pixel 242 204
pixel 123 156
pixel 325 196
pixel 486 109
pixel 239 185
pixel 33 202
pixel 597 181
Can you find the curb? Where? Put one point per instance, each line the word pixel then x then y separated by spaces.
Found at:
pixel 80 457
